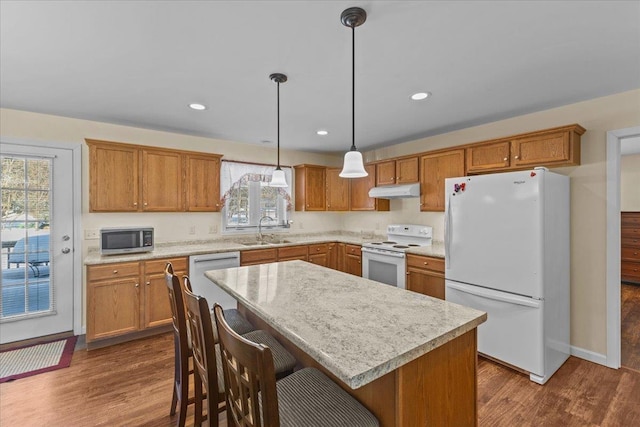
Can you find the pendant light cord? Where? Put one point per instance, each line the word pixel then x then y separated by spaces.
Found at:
pixel 353 88
pixel 278 167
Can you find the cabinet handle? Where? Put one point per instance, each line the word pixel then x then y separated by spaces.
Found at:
pixel 517 157
pixel 135 203
pixel 505 159
pixel 115 271
pixel 148 283
pixel 137 285
pixel 145 203
pixel 426 263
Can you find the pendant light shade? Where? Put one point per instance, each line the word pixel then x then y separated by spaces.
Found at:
pixel 353 166
pixel 278 178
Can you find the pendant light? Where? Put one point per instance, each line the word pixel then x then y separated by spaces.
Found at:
pixel 278 179
pixel 353 166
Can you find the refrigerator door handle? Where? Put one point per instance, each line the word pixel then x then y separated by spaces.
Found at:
pixel 447 233
pixel 494 295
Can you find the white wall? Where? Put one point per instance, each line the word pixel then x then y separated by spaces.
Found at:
pixel 630 182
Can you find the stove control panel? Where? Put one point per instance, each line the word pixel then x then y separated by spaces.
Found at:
pixel 421 231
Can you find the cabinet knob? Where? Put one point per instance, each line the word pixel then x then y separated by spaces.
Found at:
pixel 145 203
pixel 135 203
pixel 137 285
pixel 517 157
pixel 148 283
pixel 115 271
pixel 426 263
pixel 505 159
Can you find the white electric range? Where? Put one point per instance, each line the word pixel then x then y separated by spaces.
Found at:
pixel 385 261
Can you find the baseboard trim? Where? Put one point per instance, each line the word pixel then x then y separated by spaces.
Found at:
pixel 589 355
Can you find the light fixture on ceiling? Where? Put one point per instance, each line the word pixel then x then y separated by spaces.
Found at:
pixel 353 166
pixel 420 96
pixel 278 178
pixel 198 107
pixel 322 132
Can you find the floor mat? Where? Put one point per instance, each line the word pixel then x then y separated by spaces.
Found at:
pixel 35 359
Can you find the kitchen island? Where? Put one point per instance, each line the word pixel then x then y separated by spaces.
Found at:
pixel 410 359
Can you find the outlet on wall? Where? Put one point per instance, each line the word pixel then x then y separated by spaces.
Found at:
pixel 192 229
pixel 91 234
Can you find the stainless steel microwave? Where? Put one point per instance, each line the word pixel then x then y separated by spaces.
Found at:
pixel 126 240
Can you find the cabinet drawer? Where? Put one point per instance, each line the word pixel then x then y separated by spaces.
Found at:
pixel 258 256
pixel 632 242
pixel 630 269
pixel 630 233
pixel 630 254
pixel 110 271
pixel 353 250
pixel 321 248
pixel 630 219
pixel 156 266
pixel 292 252
pixel 427 263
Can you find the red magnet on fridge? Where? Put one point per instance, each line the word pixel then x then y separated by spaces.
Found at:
pixel 533 174
pixel 459 187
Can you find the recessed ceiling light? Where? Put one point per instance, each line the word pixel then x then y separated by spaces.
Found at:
pixel 322 132
pixel 420 95
pixel 198 107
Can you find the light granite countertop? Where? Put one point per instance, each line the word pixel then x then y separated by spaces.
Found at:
pixel 198 247
pixel 357 328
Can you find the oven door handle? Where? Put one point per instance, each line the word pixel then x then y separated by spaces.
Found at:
pixel 391 254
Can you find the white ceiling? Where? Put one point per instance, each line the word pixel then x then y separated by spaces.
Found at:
pixel 140 63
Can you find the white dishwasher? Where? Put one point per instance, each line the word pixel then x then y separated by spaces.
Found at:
pixel 202 286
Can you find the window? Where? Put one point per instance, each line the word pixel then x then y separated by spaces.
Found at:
pixel 247 197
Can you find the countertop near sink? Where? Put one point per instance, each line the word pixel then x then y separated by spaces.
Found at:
pixel 187 248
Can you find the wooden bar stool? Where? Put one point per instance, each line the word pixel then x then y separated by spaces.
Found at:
pixel 305 398
pixel 207 360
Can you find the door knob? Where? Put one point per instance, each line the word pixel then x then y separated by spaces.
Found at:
pixel 66 250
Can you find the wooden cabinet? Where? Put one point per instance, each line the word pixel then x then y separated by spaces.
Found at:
pixel 353 260
pixel 128 297
pixel 319 254
pixel 134 178
pixel 425 275
pixel 550 147
pixel 333 256
pixel 630 250
pixel 434 169
pixel 399 171
pixel 360 200
pixel 289 253
pixel 202 182
pixel 337 191
pixel 310 188
pixel 258 256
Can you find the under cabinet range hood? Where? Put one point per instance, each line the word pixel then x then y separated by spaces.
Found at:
pixel 395 191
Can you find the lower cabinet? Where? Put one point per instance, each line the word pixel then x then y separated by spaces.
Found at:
pixel 353 260
pixel 425 275
pixel 289 253
pixel 319 254
pixel 128 297
pixel 258 256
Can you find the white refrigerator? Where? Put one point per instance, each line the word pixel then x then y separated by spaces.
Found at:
pixel 507 244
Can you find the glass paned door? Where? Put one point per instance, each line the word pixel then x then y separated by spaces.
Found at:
pixel 36 225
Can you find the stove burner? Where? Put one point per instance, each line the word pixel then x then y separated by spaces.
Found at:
pixel 401 246
pixel 389 243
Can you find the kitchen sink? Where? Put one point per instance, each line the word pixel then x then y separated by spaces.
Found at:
pixel 272 242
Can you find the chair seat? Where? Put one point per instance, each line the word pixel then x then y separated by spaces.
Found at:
pixel 283 361
pixel 309 398
pixel 237 322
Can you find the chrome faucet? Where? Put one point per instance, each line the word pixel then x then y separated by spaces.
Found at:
pixel 260 236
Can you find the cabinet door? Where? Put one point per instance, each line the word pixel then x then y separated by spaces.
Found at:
pixel 337 191
pixel 353 264
pixel 332 256
pixel 310 188
pixel 360 200
pixel 386 173
pixel 289 253
pixel 113 178
pixel 258 256
pixel 113 307
pixel 319 259
pixel 156 307
pixel 161 181
pixel 488 157
pixel 434 168
pixel 407 170
pixel 541 150
pixel 425 282
pixel 202 183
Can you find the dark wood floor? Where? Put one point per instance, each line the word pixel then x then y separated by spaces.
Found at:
pixel 130 385
pixel 630 325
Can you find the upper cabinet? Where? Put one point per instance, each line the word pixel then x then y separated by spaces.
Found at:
pixel 133 178
pixel 551 147
pixel 434 169
pixel 399 171
pixel 360 200
pixel 337 191
pixel 310 188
